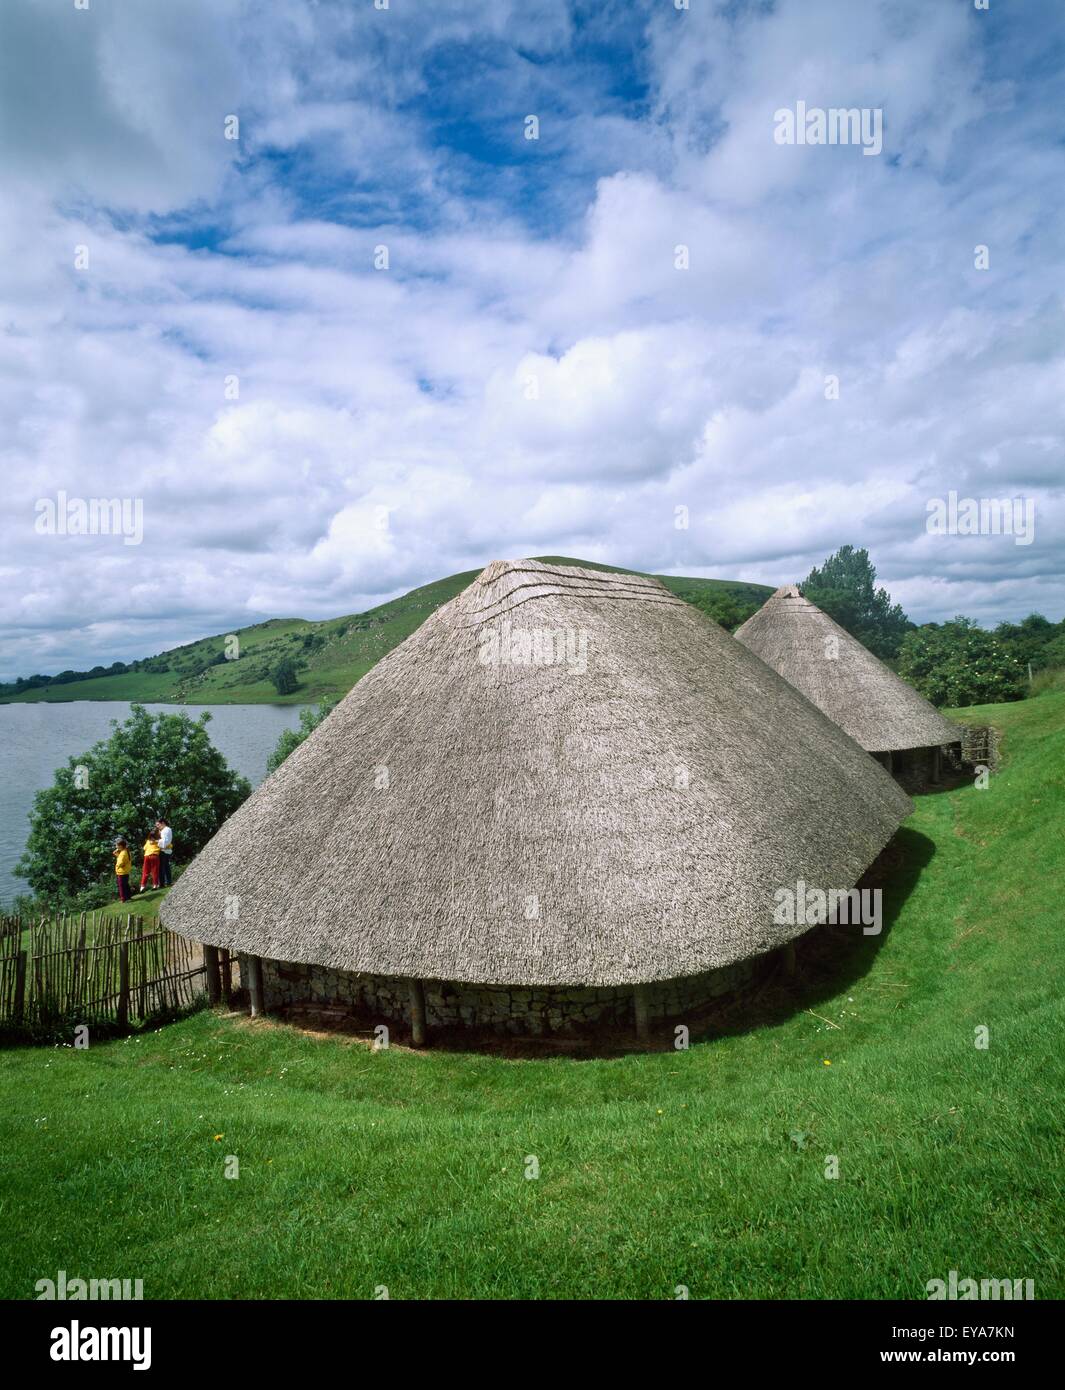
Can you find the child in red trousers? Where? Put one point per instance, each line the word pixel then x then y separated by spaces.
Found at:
pixel 151 862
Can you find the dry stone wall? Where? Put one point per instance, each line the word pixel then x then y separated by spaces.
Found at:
pixel 501 1009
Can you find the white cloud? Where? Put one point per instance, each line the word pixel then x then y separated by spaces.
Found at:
pixel 408 389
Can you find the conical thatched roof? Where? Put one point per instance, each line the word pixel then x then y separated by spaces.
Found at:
pixel 840 676
pixel 462 816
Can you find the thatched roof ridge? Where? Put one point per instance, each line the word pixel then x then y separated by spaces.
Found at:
pixel 508 586
pixel 468 814
pixel 842 677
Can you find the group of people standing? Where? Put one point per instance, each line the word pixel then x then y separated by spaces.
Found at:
pixel 156 862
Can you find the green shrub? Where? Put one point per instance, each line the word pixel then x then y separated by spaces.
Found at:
pixel 292 738
pixel 284 678
pixel 726 611
pixel 1032 639
pixel 960 663
pixel 1052 656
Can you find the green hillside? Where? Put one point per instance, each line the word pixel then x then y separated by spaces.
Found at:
pixel 333 654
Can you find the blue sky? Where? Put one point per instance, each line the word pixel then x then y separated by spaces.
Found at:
pixel 532 373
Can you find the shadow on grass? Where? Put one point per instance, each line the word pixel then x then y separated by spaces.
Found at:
pixel 59 1031
pixel 828 961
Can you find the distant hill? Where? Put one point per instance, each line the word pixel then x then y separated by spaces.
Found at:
pixel 332 655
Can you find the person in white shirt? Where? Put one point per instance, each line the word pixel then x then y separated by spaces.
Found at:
pixel 166 851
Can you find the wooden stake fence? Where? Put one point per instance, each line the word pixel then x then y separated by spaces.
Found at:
pixel 94 968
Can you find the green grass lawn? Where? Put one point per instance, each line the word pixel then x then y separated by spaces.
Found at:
pixel 703 1168
pixel 144 904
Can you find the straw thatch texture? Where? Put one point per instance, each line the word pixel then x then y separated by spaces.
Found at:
pixel 843 678
pixel 499 822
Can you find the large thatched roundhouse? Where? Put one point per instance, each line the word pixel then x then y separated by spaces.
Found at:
pixel 845 680
pixel 567 799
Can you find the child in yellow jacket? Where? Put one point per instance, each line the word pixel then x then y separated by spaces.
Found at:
pixel 151 861
pixel 123 864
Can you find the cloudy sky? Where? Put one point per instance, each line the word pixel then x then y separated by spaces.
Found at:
pixel 206 325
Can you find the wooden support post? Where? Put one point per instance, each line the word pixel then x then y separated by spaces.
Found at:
pixel 417 1013
pixel 214 984
pixel 226 962
pixel 122 1014
pixel 79 956
pixel 255 984
pixel 20 986
pixel 935 770
pixel 788 958
pixel 640 1010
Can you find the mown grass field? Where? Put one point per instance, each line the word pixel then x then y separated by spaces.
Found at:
pixel 333 654
pixel 703 1168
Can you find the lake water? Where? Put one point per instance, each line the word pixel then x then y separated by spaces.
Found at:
pixel 37 739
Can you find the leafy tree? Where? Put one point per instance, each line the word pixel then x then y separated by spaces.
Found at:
pixel 152 765
pixel 284 676
pixel 292 738
pixel 844 587
pixel 1029 639
pixel 960 663
pixel 1053 654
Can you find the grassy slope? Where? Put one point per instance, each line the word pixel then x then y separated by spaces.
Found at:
pixel 352 645
pixel 360 1169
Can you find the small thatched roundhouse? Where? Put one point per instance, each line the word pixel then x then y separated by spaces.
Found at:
pixel 567 799
pixel 845 680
